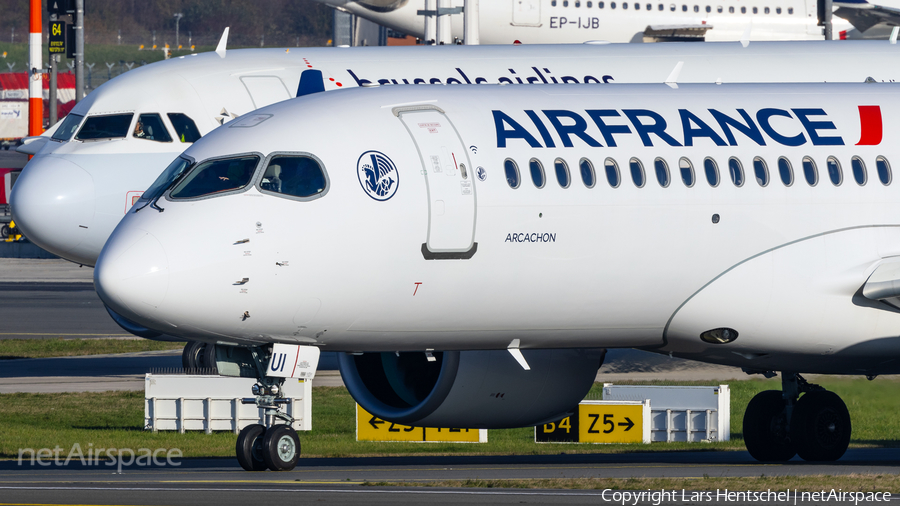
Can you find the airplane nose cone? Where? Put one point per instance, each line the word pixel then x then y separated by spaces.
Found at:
pixel 53 203
pixel 132 275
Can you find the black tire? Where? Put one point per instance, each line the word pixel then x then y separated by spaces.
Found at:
pixel 821 427
pixel 766 428
pixel 206 359
pixel 281 448
pixel 249 448
pixel 4 231
pixel 190 356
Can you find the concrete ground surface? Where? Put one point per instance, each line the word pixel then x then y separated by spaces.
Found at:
pixel 340 480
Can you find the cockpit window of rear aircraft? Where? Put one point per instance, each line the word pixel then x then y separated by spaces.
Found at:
pixel 185 128
pixel 295 176
pixel 216 176
pixel 111 126
pixel 151 128
pixel 68 128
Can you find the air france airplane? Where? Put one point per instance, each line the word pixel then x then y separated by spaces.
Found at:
pixel 472 249
pixel 97 163
pixel 572 21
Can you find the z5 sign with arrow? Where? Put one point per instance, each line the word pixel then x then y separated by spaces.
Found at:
pixel 600 422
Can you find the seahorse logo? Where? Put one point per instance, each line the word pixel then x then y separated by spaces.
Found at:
pixel 378 175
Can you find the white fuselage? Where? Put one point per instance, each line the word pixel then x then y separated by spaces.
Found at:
pixel 73 193
pixel 573 21
pixel 456 259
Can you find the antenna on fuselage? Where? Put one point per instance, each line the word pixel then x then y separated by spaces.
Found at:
pixel 220 49
pixel 745 39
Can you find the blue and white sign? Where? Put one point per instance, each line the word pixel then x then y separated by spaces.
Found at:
pixel 481 173
pixel 293 361
pixel 378 175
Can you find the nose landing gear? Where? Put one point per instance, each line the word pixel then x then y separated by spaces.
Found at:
pixel 779 425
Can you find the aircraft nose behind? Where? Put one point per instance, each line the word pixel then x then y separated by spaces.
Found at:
pixel 53 203
pixel 132 275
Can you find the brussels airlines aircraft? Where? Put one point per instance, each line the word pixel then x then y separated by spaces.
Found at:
pixel 568 21
pixel 97 163
pixel 748 225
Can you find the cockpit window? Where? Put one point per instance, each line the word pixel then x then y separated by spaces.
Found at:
pixel 185 128
pixel 165 180
pixel 297 176
pixel 216 176
pixel 105 127
pixel 151 127
pixel 68 128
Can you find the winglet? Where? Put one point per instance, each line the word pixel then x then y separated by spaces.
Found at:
pixel 672 80
pixel 220 49
pixel 745 39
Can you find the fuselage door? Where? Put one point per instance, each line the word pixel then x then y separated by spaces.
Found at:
pixel 449 180
pixel 526 12
pixel 265 90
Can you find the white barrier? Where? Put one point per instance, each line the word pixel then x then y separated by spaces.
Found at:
pixel 681 413
pixel 208 403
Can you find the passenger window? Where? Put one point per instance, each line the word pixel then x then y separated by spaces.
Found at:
pixel 696 8
pixel 859 170
pixel 736 170
pixel 112 126
pixel 68 128
pixel 587 173
pixel 755 10
pixel 712 172
pixel 562 172
pixel 785 171
pixel 777 10
pixel 672 7
pixel 687 171
pixel 637 172
pixel 761 171
pixel 185 129
pixel 731 10
pixel 766 10
pixel 743 10
pixel 708 9
pixel 809 171
pixel 719 9
pixel 612 172
pixel 683 8
pixel 512 173
pixel 884 170
pixel 297 176
pixel 216 176
pixel 151 127
pixel 537 172
pixel 834 170
pixel 790 10
pixel 662 172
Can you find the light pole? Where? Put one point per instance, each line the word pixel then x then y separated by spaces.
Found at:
pixel 178 17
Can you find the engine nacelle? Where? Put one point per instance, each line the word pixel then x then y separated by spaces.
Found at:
pixel 471 389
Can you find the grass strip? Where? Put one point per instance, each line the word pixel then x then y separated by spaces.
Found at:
pixel 57 347
pixel 684 488
pixel 116 420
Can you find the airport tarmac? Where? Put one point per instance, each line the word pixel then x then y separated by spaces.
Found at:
pixel 340 480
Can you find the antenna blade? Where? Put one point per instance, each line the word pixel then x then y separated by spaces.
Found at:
pixel 220 49
pixel 672 80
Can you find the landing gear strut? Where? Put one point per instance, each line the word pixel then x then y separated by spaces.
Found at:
pixel 779 425
pixel 271 446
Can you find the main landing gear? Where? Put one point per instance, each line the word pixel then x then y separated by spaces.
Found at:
pixel 779 425
pixel 199 357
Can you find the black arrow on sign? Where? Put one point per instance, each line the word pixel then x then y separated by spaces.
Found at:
pixel 375 421
pixel 628 424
